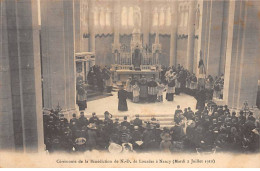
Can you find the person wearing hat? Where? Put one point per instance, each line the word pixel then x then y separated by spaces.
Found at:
pixel 82 121
pixel 143 89
pixel 152 90
pixel 125 123
pixel 137 121
pixel 73 125
pixel 94 119
pixel 122 96
pixel 107 119
pixel 63 121
pixel 136 92
pixel 129 88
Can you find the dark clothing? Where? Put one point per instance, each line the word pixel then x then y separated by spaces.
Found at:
pixel 122 104
pixel 137 122
pixel 94 120
pixel 126 124
pixel 83 121
pixel 201 99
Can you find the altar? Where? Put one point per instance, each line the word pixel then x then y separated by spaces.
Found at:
pixel 136 59
pixel 123 75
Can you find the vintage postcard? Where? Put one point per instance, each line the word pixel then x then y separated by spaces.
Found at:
pixel 129 83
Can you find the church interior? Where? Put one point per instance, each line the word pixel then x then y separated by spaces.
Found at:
pixel 49 48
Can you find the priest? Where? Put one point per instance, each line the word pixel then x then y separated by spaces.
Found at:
pixel 122 96
pixel 143 89
pixel 152 90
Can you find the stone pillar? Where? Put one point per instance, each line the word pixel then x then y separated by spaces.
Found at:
pixel 23 76
pixel 81 25
pixel 242 55
pixel 214 37
pixel 191 34
pixel 77 24
pixel 92 33
pixel 224 38
pixel 146 22
pixel 116 19
pixel 58 54
pixel 174 32
pixel 6 118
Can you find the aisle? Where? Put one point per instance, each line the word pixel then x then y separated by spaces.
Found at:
pixel 111 103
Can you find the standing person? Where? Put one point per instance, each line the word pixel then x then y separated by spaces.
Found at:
pixel 152 90
pixel 82 121
pixel 170 89
pixel 129 88
pixel 201 99
pixel 100 82
pixel 94 119
pixel 81 98
pixel 136 92
pixel 193 84
pixel 108 79
pixel 143 89
pixel 160 89
pixel 122 96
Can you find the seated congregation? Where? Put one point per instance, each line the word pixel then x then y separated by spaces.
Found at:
pixel 213 129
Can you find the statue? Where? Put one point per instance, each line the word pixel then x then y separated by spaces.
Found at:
pixel 137 19
pixel 198 17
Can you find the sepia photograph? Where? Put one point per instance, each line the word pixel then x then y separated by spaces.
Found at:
pixel 129 83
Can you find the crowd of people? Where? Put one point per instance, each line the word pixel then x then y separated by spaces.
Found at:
pixel 209 129
pixel 100 77
pixel 173 80
pixel 215 128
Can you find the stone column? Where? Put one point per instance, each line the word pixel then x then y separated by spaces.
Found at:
pixel 6 118
pixel 24 72
pixel 191 34
pixel 116 28
pixel 174 32
pixel 242 55
pixel 146 22
pixel 58 54
pixel 92 33
pixel 77 24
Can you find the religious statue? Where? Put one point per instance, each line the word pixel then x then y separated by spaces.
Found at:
pixel 137 19
pixel 197 17
pixel 137 59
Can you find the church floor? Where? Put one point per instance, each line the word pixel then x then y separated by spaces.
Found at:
pixel 110 104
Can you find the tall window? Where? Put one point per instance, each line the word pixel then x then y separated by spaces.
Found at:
pixel 124 16
pixel 108 18
pixel 96 17
pixel 102 17
pixel 155 17
pixel 127 16
pixel 183 15
pixel 131 16
pixel 162 17
pixel 168 16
